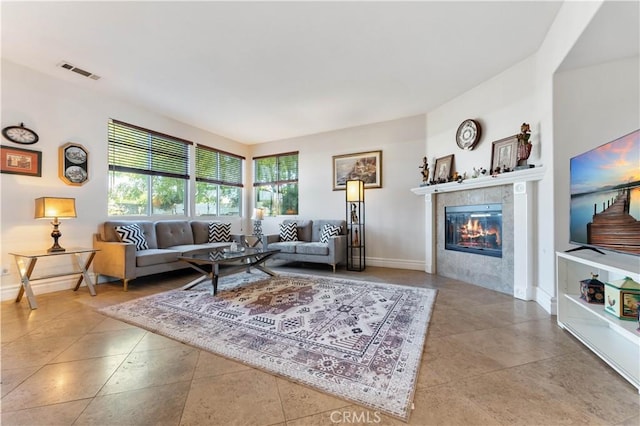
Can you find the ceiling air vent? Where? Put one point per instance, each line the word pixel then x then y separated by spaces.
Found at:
pixel 70 67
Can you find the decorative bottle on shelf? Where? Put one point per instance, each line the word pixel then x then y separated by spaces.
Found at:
pixel 355 238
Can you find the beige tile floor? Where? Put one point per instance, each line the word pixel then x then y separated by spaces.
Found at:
pixel 489 359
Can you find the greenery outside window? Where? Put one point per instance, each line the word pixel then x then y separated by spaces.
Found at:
pixel 148 172
pixel 276 184
pixel 218 183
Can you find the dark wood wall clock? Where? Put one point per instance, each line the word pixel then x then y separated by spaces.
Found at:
pixel 20 134
pixel 468 134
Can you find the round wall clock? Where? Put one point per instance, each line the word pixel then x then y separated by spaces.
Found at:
pixel 468 134
pixel 20 134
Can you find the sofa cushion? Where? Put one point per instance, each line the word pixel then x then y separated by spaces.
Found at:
pixel 155 256
pixel 108 231
pixel 132 234
pixel 319 224
pixel 288 231
pixel 187 248
pixel 286 246
pixel 321 249
pixel 304 228
pixel 200 229
pixel 219 232
pixel 173 232
pixel 328 231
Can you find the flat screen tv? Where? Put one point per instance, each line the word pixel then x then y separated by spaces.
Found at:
pixel 605 196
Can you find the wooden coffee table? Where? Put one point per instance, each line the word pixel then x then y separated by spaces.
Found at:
pixel 208 263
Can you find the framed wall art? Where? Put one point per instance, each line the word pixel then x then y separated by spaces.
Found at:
pixel 366 166
pixel 73 164
pixel 442 171
pixel 504 154
pixel 20 161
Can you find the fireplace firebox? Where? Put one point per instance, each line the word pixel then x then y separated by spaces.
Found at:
pixel 474 229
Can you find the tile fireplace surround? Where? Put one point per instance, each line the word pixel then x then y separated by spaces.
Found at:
pixel 517 192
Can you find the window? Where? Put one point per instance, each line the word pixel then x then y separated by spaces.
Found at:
pixel 148 172
pixel 276 184
pixel 218 182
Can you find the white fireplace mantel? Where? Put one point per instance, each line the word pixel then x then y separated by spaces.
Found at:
pixel 523 210
pixel 525 175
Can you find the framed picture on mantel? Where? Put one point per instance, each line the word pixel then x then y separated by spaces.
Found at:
pixel 442 171
pixel 504 154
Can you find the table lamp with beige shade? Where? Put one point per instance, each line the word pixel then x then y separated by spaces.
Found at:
pixel 55 208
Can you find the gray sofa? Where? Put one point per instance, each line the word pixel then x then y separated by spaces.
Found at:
pixel 166 239
pixel 308 248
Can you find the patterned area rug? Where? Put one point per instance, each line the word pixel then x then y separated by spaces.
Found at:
pixel 358 340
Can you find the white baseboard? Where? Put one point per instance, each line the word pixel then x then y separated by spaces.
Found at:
pixel 41 287
pixel 546 301
pixel 415 265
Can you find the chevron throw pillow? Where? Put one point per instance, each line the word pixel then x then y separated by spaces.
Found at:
pixel 219 232
pixel 132 234
pixel 329 231
pixel 289 231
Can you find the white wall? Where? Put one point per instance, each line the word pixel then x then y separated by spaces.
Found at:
pixel 61 112
pixel 394 216
pixel 523 93
pixel 592 106
pixel 501 105
pixel 570 23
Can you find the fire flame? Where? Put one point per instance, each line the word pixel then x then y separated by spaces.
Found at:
pixel 474 232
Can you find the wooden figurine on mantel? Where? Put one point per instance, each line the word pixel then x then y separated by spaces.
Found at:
pixel 424 171
pixel 524 146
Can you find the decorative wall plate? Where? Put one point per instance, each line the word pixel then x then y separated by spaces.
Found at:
pixel 73 164
pixel 468 134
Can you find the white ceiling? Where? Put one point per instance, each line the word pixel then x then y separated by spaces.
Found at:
pixel 262 71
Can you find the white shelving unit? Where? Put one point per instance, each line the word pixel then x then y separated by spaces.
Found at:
pixel 616 341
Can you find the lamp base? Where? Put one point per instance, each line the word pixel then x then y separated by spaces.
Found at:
pixel 55 234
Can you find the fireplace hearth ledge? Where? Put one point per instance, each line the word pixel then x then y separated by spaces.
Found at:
pixel 523 210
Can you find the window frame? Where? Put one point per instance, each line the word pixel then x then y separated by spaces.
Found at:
pixel 219 178
pixel 131 150
pixel 278 184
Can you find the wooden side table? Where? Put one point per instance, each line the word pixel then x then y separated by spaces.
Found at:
pixel 26 263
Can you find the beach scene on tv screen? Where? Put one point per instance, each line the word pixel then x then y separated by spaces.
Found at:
pixel 605 195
